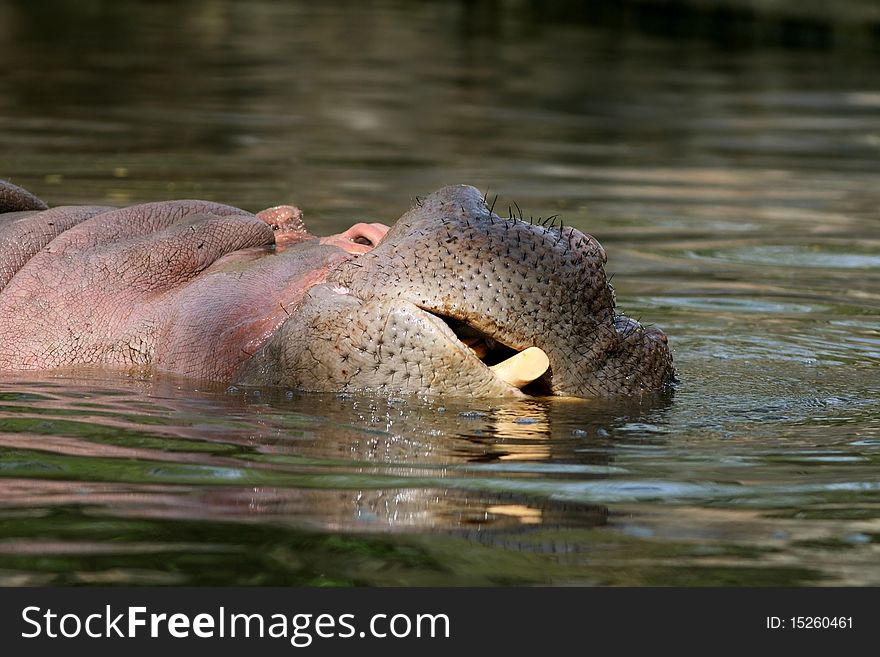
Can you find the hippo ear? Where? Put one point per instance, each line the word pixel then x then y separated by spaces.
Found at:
pixel 14 199
pixel 287 222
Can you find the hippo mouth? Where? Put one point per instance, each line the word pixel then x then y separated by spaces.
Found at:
pixel 526 369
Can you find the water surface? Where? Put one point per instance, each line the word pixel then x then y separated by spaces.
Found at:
pixel 735 191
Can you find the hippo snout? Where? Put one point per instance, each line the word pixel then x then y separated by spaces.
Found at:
pixel 457 300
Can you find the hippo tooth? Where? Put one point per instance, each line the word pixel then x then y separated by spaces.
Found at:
pixel 477 346
pixel 522 368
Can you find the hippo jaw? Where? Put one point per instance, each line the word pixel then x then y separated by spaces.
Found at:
pixel 450 291
pixel 336 342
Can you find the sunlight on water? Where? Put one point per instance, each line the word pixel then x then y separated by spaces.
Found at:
pixel 824 256
pixel 735 192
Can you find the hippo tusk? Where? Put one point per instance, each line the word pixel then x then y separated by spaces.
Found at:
pixel 522 368
pixel 478 347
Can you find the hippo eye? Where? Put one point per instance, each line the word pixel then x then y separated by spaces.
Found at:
pixel 362 240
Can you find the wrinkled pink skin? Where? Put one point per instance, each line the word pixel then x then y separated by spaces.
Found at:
pixel 187 287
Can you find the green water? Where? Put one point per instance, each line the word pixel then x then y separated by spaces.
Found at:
pixel 735 191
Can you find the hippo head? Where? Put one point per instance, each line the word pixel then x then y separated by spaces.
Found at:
pixel 452 291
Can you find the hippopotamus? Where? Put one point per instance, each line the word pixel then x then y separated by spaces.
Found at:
pixel 451 300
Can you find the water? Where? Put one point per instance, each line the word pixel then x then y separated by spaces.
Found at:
pixel 736 193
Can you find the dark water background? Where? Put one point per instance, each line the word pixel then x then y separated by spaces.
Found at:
pixel 736 188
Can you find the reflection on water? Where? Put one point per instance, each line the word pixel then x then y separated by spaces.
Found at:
pixel 734 190
pixel 108 481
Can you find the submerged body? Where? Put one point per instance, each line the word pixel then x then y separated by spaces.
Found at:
pixel 438 305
